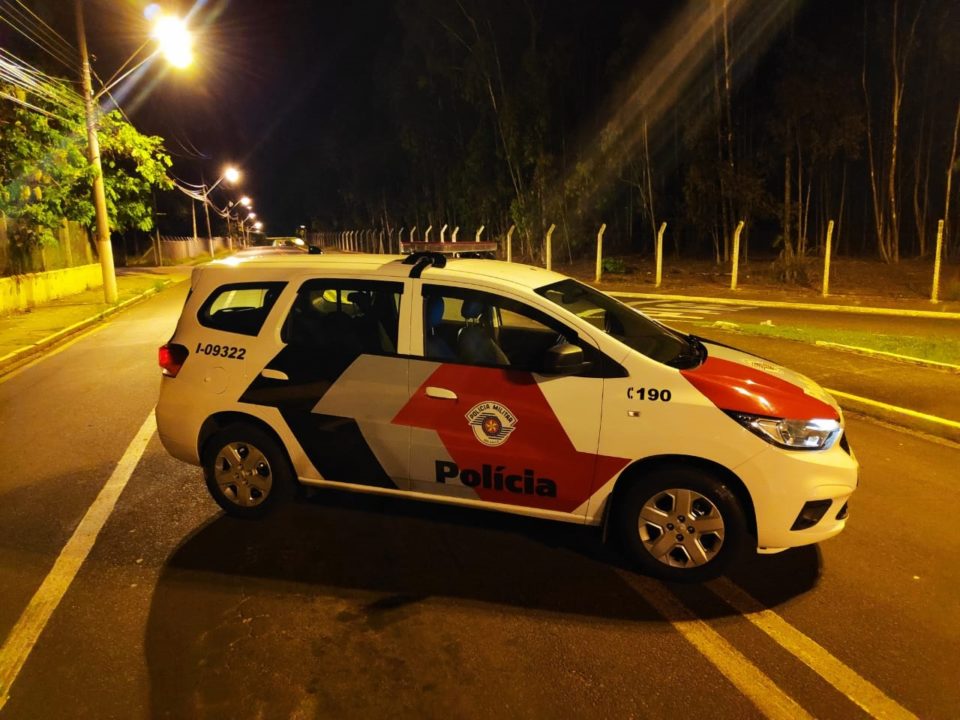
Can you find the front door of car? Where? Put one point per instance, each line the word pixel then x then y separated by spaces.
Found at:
pixel 487 424
pixel 340 379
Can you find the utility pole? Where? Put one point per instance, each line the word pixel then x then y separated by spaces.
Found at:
pixel 206 209
pixel 104 248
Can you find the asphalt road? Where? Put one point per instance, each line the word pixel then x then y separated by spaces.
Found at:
pixel 354 606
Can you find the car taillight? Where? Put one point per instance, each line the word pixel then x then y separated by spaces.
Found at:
pixel 171 358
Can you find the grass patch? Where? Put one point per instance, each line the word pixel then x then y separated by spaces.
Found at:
pixel 945 350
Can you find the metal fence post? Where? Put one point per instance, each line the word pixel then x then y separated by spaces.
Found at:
pixel 453 237
pixel 736 255
pixel 599 273
pixel 663 229
pixel 826 260
pixel 510 243
pixel 476 238
pixel 426 235
pixel 935 293
pixel 549 247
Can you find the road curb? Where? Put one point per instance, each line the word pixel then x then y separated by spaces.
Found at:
pixel 18 357
pixel 856 309
pixel 883 355
pixel 904 417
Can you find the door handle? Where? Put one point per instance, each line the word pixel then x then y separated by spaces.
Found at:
pixel 274 374
pixel 440 393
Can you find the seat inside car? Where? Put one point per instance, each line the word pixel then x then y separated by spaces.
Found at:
pixel 475 344
pixel 435 346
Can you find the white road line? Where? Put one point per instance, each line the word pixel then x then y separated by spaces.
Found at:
pixel 861 691
pixel 671 315
pixel 735 667
pixel 24 635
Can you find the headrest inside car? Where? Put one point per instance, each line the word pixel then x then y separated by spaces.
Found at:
pixel 472 309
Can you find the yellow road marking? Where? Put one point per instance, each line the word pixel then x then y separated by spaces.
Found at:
pixel 769 699
pixel 894 408
pixel 861 691
pixel 24 635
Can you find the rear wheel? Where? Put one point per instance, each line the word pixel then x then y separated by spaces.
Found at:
pixel 680 523
pixel 246 471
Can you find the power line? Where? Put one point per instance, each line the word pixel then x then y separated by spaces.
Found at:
pixel 21 74
pixel 40 20
pixel 36 38
pixel 30 21
pixel 31 106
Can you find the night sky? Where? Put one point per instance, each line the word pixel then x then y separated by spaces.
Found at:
pixel 285 90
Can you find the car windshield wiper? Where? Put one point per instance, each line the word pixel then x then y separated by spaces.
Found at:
pixel 692 355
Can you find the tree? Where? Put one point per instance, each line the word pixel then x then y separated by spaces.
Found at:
pixel 883 160
pixel 134 166
pixel 45 177
pixel 43 170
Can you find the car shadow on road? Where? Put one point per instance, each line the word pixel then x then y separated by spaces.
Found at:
pixel 353 583
pixel 403 549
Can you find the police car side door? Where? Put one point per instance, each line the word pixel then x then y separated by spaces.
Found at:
pixel 339 379
pixel 486 425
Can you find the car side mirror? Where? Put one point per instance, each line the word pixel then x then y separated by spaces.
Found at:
pixel 564 359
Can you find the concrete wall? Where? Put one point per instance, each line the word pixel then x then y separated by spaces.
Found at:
pixel 177 249
pixel 19 292
pixel 72 249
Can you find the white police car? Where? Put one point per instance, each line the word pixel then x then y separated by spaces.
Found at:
pixel 500 386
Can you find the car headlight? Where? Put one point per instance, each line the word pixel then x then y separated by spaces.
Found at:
pixel 815 434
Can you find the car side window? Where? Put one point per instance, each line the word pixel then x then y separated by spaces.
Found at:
pixel 239 307
pixel 345 317
pixel 479 328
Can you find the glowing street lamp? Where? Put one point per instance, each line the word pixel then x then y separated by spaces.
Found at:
pixel 231 175
pixel 174 40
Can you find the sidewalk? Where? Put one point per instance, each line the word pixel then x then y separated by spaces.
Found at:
pixel 24 335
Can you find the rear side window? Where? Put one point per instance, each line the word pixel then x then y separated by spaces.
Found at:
pixel 349 317
pixel 240 308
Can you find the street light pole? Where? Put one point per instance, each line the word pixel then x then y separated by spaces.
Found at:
pixel 206 209
pixel 104 248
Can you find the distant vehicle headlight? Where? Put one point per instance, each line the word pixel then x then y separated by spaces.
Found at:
pixel 814 434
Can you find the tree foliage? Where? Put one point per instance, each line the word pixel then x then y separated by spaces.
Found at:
pixel 45 176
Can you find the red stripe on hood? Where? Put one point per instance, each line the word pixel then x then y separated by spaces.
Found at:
pixel 736 387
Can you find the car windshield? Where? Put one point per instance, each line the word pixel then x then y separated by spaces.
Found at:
pixel 626 324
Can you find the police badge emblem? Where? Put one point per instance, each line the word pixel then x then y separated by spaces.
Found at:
pixel 492 422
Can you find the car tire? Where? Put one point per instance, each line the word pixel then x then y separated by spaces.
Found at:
pixel 680 523
pixel 246 471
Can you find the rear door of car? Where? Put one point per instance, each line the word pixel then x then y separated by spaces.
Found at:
pixel 340 378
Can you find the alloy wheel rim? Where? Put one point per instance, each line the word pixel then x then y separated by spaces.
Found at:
pixel 243 474
pixel 681 528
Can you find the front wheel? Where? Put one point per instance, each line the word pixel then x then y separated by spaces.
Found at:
pixel 246 471
pixel 680 523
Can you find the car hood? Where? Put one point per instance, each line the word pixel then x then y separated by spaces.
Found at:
pixel 736 381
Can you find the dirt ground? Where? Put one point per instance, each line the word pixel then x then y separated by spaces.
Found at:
pixel 859 282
